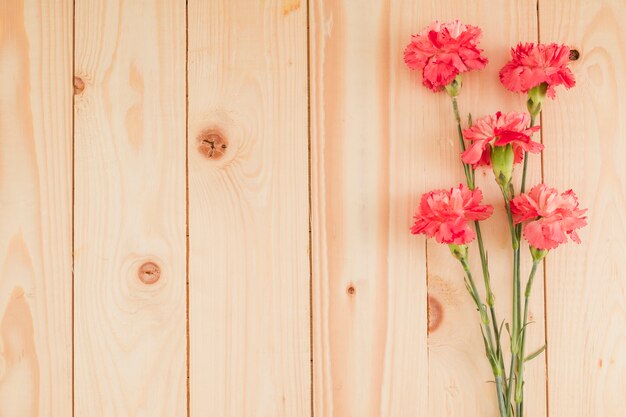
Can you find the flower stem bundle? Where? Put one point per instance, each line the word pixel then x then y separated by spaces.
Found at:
pixel 543 217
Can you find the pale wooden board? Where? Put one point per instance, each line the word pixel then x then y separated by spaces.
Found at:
pixel 367 166
pixel 586 285
pixel 248 209
pixel 35 208
pixel 130 338
pixel 379 140
pixel 459 373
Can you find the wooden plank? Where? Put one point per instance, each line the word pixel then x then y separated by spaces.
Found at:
pixel 35 208
pixel 367 168
pixel 248 209
pixel 130 248
pixel 459 374
pixel 379 140
pixel 586 285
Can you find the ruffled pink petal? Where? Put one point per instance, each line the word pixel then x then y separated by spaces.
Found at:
pixel 552 217
pixel 446 214
pixel 474 153
pixel 438 74
pixel 534 64
pixel 444 50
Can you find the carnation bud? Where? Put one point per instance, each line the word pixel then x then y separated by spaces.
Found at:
pixel 502 158
pixel 536 95
pixel 538 254
pixel 458 251
pixel 454 88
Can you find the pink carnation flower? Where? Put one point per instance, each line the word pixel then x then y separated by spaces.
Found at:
pixel 445 215
pixel 444 50
pixel 535 64
pixel 551 216
pixel 499 130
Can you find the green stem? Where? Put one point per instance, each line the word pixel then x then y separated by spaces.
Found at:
pixel 496 367
pixel 501 401
pixel 519 388
pixel 469 172
pixel 479 302
pixel 523 186
pixel 490 297
pixel 515 322
pixel 519 368
pixel 509 390
pixel 470 179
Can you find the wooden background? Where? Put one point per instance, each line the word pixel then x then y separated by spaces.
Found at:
pixel 205 211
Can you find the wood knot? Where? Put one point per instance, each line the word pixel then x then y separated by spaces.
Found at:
pixel 149 273
pixel 351 290
pixel 435 314
pixel 574 55
pixel 79 85
pixel 212 144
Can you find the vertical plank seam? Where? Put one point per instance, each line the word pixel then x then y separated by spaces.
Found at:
pixel 308 88
pixel 427 328
pixel 187 332
pixel 545 288
pixel 73 64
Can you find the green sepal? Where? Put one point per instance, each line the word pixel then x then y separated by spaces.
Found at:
pixel 454 88
pixel 538 254
pixel 502 158
pixel 536 96
pixel 458 251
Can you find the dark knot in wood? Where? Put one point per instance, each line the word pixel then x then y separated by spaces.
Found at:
pixel 149 273
pixel 212 144
pixel 79 85
pixel 351 290
pixel 435 314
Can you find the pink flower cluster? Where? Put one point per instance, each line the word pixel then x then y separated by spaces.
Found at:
pixel 445 214
pixel 533 65
pixel 444 50
pixel 550 217
pixel 499 130
pixel 545 217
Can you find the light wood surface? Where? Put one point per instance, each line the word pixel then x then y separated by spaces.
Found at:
pixel 36 208
pixel 368 272
pixel 248 209
pixel 460 379
pixel 129 207
pixel 379 139
pixel 586 285
pixel 205 211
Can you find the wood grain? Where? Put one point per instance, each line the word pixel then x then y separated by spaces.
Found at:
pixel 586 285
pixel 459 374
pixel 35 208
pixel 300 124
pixel 377 139
pixel 130 209
pixel 248 209
pixel 367 165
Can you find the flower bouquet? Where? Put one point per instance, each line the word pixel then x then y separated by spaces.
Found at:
pixel 542 216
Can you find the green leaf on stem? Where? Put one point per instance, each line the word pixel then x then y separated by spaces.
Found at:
pixel 535 354
pixel 501 326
